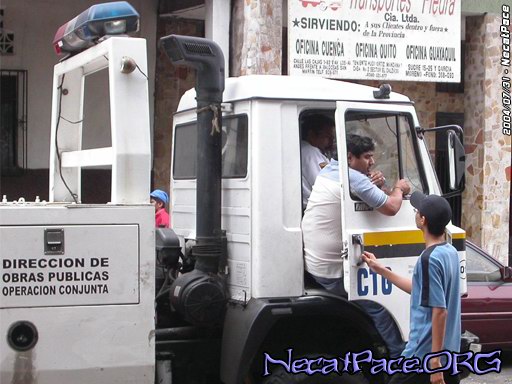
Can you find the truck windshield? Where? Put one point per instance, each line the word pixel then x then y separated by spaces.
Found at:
pixel 234 148
pixel 395 147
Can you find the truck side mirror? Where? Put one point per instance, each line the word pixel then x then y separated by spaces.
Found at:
pixel 450 158
pixel 506 274
pixel 457 161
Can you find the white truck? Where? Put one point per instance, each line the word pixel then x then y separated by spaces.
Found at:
pixel 80 299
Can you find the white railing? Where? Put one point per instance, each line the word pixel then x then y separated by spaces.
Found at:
pixel 130 154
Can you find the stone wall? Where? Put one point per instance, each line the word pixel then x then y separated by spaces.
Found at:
pixel 486 200
pixel 256 48
pixel 170 83
pixel 427 100
pixel 256 33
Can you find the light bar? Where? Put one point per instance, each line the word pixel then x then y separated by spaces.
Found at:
pixel 100 20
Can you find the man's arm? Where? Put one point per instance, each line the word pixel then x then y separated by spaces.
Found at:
pixel 372 195
pixel 395 197
pixel 404 283
pixel 377 178
pixel 439 316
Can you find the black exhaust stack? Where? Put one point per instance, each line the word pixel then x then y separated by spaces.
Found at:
pixel 201 295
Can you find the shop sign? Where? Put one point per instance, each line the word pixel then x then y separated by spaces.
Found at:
pixel 409 40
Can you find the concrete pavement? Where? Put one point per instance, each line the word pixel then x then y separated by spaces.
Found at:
pixel 504 377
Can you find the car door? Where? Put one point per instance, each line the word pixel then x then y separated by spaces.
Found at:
pixel 487 308
pixel 395 240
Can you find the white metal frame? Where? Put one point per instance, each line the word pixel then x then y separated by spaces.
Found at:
pixel 217 21
pixel 130 153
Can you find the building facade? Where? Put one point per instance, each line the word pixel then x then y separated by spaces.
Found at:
pixel 253 36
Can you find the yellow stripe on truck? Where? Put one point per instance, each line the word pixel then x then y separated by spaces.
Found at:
pixel 394 237
pixel 400 237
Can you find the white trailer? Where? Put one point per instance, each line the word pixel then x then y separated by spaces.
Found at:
pixel 77 292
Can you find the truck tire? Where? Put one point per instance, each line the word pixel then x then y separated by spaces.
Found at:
pixel 281 376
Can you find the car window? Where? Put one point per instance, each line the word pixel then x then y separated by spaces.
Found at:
pixel 395 154
pixel 479 268
pixel 234 148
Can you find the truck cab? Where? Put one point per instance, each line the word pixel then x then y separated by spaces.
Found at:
pixel 262 213
pixel 94 293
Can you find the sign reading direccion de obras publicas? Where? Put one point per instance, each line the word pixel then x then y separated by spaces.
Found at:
pixel 410 40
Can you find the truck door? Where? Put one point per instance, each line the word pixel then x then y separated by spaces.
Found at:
pixel 394 240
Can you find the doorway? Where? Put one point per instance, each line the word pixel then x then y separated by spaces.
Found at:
pixel 13 121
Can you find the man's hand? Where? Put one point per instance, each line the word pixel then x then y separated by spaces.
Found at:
pixel 404 186
pixel 439 316
pixel 404 283
pixel 395 198
pixel 370 259
pixel 438 377
pixel 377 178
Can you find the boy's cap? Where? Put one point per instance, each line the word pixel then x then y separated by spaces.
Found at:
pixel 160 195
pixel 435 208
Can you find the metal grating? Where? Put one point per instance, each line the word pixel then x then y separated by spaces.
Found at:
pixel 13 120
pixel 198 49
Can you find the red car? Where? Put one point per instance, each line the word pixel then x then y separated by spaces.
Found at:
pixel 334 5
pixel 487 309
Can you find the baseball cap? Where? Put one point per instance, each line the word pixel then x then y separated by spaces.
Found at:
pixel 160 195
pixel 435 208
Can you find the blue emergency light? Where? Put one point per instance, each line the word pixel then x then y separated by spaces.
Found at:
pixel 100 20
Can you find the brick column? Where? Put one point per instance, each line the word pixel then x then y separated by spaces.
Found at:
pixel 256 37
pixel 486 200
pixel 170 83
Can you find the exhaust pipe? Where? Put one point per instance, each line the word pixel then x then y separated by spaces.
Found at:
pixel 203 289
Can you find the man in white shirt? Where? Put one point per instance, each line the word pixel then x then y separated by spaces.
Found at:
pixel 321 225
pixel 317 141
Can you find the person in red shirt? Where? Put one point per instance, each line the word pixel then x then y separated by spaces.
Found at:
pixel 160 199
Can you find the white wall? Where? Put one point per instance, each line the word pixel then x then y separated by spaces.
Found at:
pixel 34 23
pixel 217 20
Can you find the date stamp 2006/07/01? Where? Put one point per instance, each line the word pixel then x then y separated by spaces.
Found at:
pixel 505 62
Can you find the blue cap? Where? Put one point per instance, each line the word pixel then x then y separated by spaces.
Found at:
pixel 435 208
pixel 160 195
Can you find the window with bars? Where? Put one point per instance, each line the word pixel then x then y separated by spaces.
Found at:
pixel 6 37
pixel 13 120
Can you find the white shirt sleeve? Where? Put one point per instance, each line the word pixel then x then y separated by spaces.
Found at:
pixel 363 188
pixel 311 160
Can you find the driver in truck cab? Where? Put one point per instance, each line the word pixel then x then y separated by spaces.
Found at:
pixel 321 225
pixel 315 146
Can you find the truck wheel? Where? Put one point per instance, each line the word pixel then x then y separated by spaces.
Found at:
pixel 280 376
